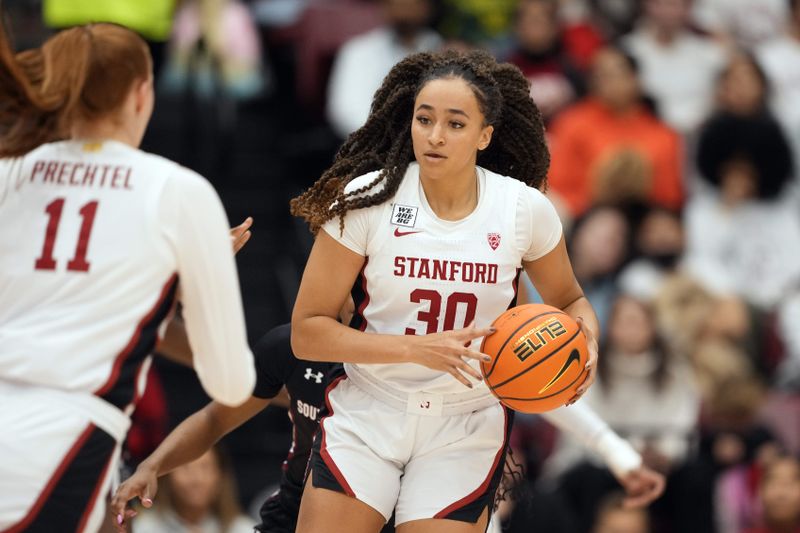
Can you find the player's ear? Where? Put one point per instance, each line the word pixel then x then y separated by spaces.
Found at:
pixel 485 138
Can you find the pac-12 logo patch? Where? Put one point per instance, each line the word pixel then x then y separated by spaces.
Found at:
pixel 404 215
pixel 494 240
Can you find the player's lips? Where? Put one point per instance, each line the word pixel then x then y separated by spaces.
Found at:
pixel 434 155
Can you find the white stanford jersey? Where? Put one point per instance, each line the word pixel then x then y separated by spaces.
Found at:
pixel 93 240
pixel 424 274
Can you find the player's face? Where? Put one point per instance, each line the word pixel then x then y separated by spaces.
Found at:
pixel 448 129
pixel 196 484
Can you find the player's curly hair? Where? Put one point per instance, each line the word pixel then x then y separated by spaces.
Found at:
pixel 517 149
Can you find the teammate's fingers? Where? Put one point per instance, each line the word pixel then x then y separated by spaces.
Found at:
pixel 241 241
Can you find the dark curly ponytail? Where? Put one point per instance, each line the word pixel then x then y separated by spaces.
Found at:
pixel 518 147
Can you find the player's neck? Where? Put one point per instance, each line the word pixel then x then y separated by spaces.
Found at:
pixel 103 131
pixel 453 197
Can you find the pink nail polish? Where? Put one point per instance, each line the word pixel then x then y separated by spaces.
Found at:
pixel 148 501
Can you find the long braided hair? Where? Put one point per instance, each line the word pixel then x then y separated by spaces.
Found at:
pixel 518 147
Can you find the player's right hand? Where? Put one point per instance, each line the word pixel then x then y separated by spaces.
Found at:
pixel 143 484
pixel 241 234
pixel 446 351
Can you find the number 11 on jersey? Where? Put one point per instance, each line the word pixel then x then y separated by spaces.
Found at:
pixel 78 263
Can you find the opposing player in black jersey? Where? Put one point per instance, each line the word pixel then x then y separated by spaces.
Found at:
pixel 306 383
pixel 276 367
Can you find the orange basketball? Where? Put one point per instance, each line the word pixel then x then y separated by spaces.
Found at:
pixel 538 358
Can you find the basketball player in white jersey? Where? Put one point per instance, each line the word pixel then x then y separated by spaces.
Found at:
pixel 428 214
pixel 94 237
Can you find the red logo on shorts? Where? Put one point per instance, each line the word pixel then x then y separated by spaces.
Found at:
pixel 494 240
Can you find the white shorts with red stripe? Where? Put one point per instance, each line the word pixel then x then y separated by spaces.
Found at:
pixel 58 456
pixel 418 466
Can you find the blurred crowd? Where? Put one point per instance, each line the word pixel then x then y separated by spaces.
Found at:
pixel 674 131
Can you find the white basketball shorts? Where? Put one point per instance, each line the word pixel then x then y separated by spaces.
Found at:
pixel 418 466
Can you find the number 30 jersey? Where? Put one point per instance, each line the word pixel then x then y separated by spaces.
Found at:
pixel 423 274
pixel 93 240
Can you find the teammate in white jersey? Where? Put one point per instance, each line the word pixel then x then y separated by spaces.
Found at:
pixel 428 214
pixel 94 238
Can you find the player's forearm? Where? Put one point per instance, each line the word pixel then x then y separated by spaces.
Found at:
pixel 583 309
pixel 175 344
pixel 591 431
pixel 190 440
pixel 322 338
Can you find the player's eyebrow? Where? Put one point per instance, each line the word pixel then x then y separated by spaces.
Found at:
pixel 453 111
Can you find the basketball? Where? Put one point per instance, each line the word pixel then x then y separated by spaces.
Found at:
pixel 538 358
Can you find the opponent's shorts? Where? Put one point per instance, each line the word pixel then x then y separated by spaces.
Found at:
pixel 56 462
pixel 418 466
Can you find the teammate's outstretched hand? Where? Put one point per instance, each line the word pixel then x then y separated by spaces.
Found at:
pixel 642 486
pixel 591 364
pixel 143 484
pixel 241 234
pixel 446 351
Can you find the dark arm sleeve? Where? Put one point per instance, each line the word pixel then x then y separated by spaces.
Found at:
pixel 274 361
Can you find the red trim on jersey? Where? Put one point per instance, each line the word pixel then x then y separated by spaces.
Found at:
pixel 62 467
pixel 323 450
pixel 475 494
pixel 365 302
pixel 132 343
pixel 515 285
pixel 93 499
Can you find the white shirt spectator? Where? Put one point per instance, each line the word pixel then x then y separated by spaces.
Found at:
pixel 752 250
pixel 680 75
pixel 359 69
pixel 780 59
pixel 748 22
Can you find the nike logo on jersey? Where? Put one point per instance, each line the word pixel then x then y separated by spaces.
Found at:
pixel 574 356
pixel 398 233
pixel 315 376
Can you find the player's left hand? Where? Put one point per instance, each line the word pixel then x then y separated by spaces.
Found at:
pixel 142 484
pixel 241 234
pixel 642 486
pixel 591 364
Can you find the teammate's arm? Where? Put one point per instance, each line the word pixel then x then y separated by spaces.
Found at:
pixel 191 439
pixel 175 344
pixel 195 223
pixel 317 335
pixel 641 484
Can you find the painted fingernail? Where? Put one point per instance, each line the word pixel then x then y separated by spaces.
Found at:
pixel 486 358
pixel 148 501
pixel 119 519
pixel 492 330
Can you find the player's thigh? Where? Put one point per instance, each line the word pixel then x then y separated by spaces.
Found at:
pixel 329 511
pixel 437 525
pixel 56 469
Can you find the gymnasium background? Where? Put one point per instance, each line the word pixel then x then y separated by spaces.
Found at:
pixel 674 128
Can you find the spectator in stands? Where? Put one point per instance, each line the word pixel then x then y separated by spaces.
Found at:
pixel 744 23
pixel 199 497
pixel 781 60
pixel 611 141
pixel 679 66
pixel 614 517
pixel 648 396
pixel 780 497
pixel 362 63
pixel 483 23
pixel 744 237
pixel 540 54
